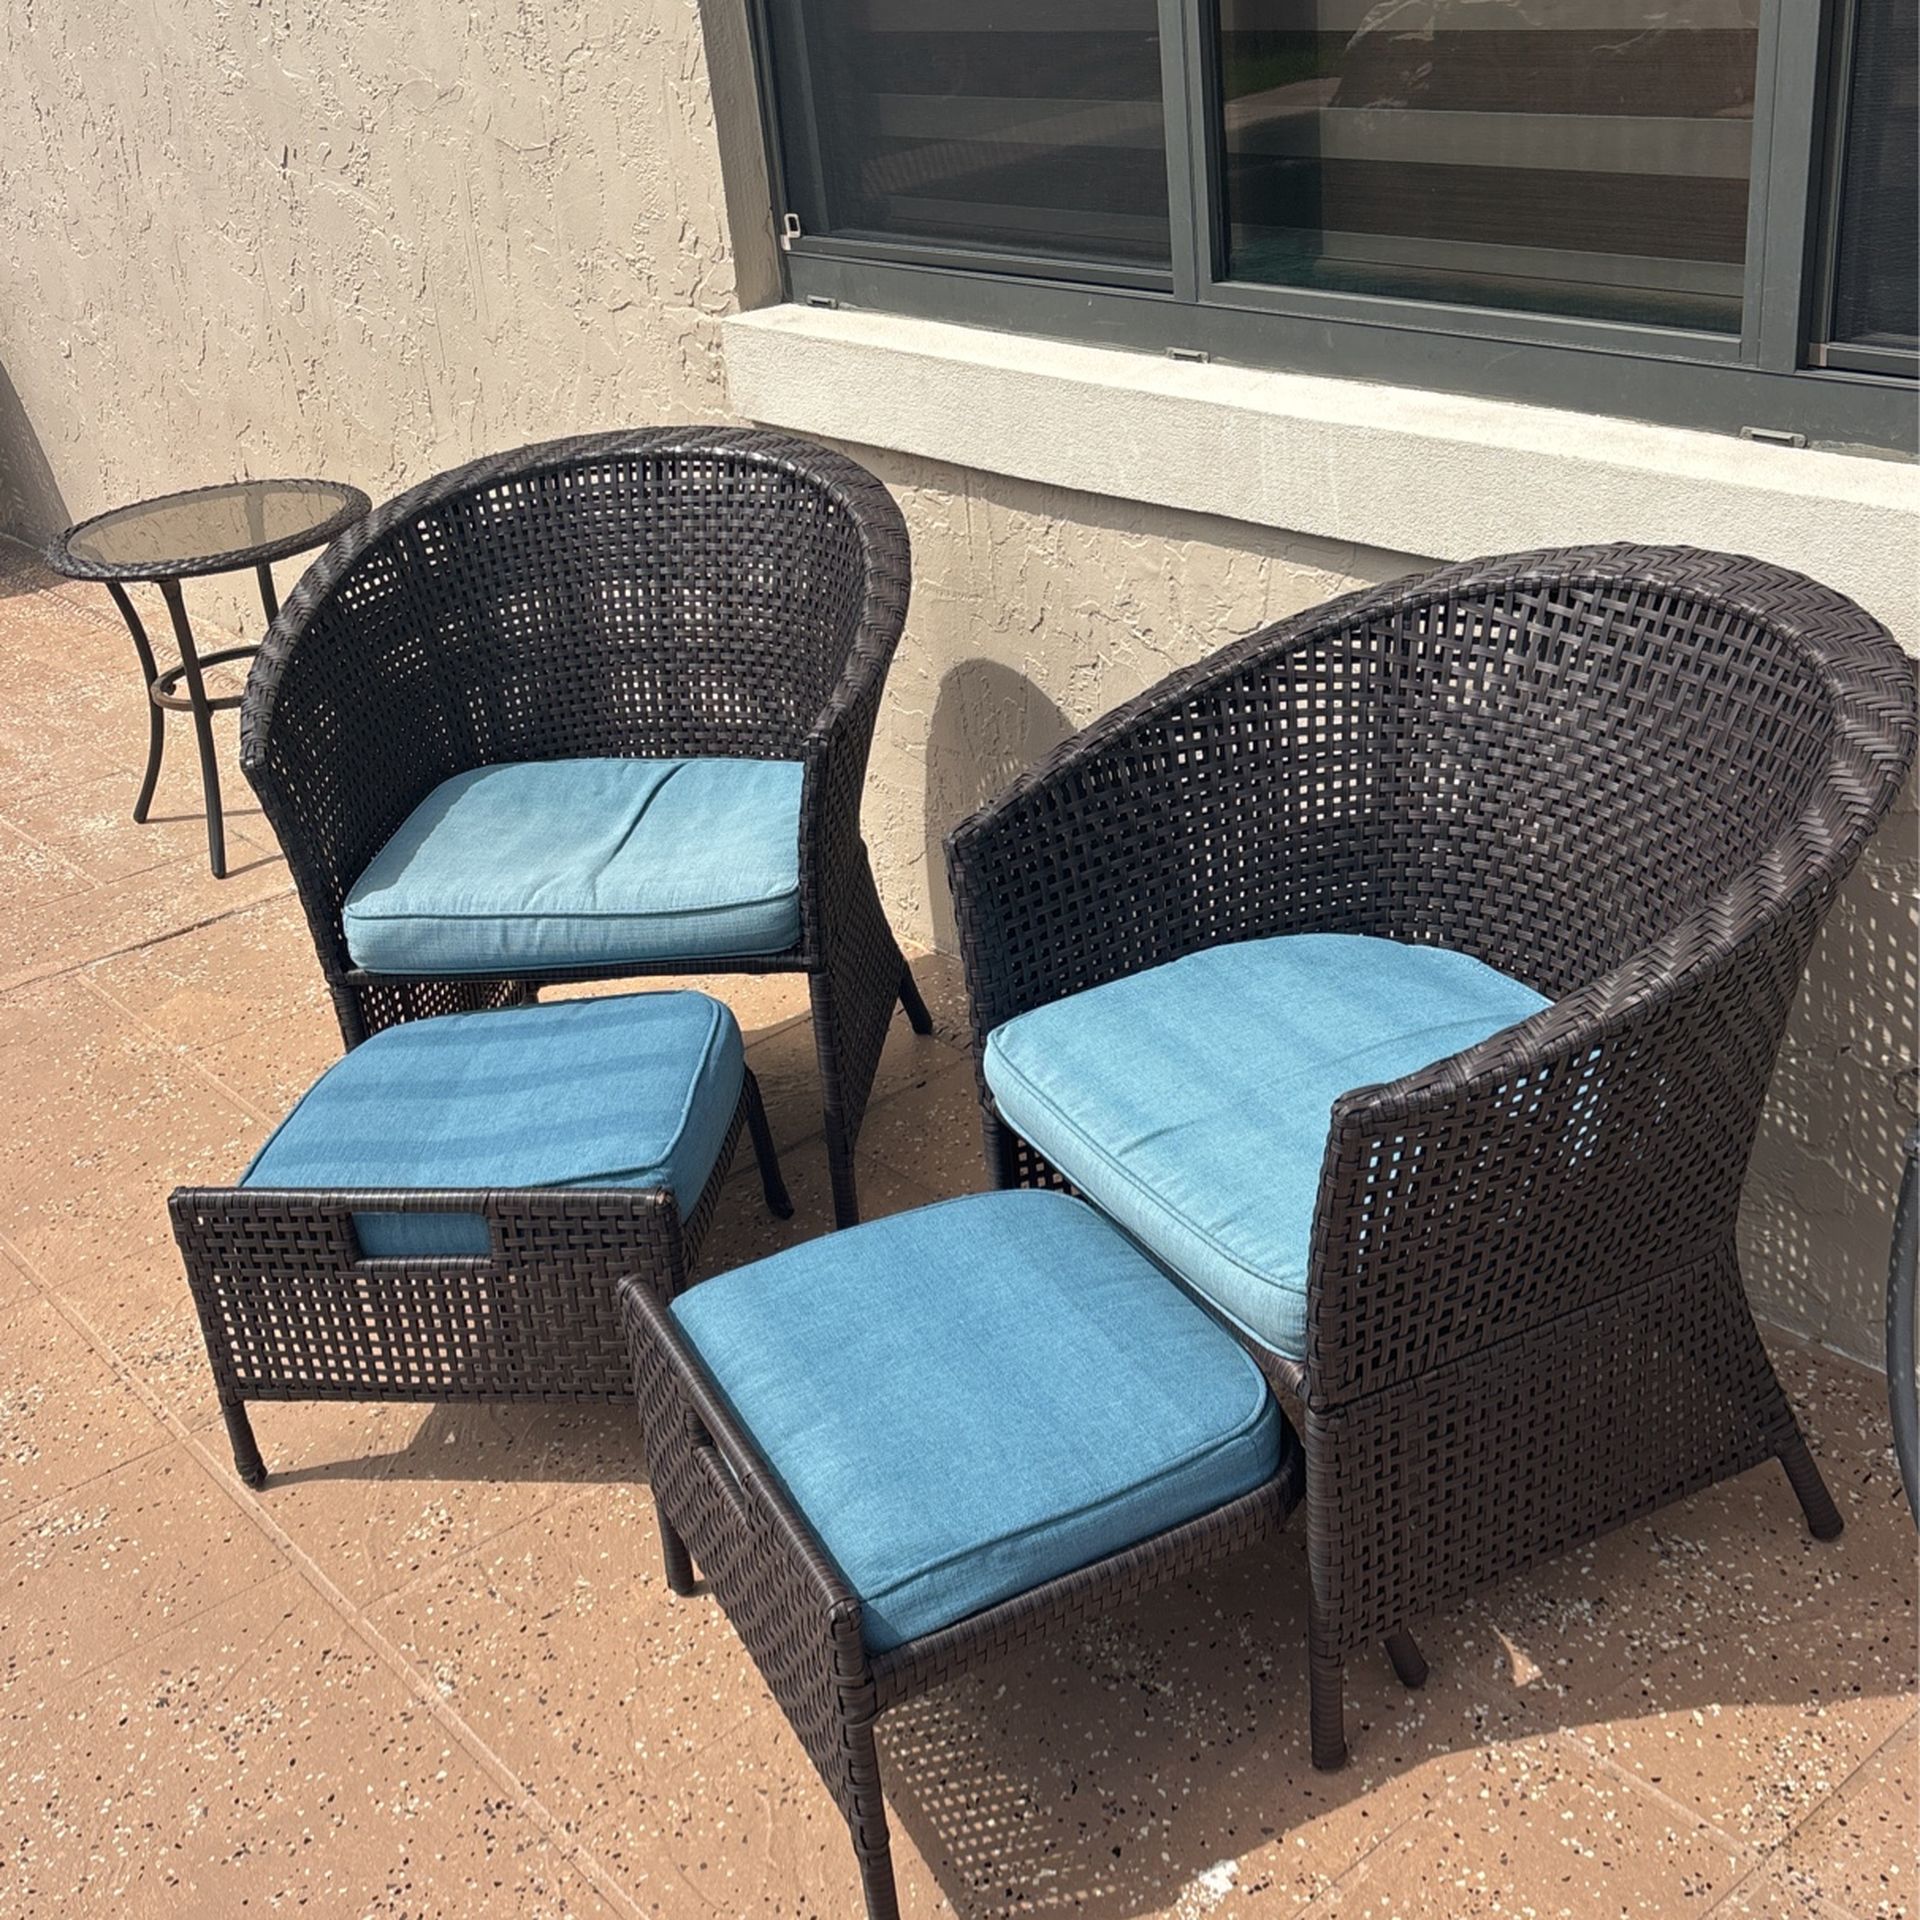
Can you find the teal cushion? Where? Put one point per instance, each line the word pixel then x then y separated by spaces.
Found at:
pixel 631 1091
pixel 1191 1102
pixel 576 863
pixel 972 1399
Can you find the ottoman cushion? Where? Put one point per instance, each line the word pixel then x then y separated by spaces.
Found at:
pixel 636 1090
pixel 1191 1102
pixel 556 864
pixel 972 1399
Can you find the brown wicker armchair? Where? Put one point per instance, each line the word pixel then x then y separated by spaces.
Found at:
pixel 1630 778
pixel 698 594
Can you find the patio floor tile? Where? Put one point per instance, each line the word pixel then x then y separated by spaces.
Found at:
pixel 66 1415
pixel 1721 1654
pixel 16 1283
pixel 433 1667
pixel 1858 1851
pixel 261 1756
pixel 243 993
pixel 127 1557
pixel 104 1119
pixel 90 823
pixel 669 1761
pixel 1541 1836
pixel 784 1062
pixel 381 1495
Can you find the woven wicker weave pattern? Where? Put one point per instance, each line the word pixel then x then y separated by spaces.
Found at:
pixel 290 1311
pixel 795 1614
pixel 680 591
pixel 1631 777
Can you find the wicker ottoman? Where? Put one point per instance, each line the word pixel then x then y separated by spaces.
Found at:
pixel 900 1449
pixel 445 1214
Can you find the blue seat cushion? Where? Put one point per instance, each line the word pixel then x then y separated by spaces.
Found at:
pixel 637 1090
pixel 573 863
pixel 1192 1101
pixel 972 1399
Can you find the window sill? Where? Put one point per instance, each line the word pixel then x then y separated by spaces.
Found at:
pixel 1407 469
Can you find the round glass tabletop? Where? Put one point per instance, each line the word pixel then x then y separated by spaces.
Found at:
pixel 209 530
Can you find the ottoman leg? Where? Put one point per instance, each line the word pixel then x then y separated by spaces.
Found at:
pixel 246 1450
pixel 673 1550
pixel 872 1845
pixel 779 1203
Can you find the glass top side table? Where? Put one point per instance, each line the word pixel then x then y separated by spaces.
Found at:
pixel 224 529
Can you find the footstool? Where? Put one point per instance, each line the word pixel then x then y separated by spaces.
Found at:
pixel 446 1212
pixel 900 1449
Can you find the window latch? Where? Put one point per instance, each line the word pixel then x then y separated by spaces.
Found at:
pixel 789 231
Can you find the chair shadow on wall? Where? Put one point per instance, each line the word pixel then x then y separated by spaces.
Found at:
pixel 990 724
pixel 1817 1218
pixel 32 508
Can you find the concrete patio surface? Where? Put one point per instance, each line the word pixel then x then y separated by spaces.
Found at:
pixel 433 1669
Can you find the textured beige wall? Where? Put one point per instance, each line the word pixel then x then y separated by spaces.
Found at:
pixel 368 239
pixel 376 239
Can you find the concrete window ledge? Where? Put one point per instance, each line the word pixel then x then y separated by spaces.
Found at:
pixel 1398 468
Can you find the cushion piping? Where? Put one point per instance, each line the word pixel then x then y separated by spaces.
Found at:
pixel 1165 1471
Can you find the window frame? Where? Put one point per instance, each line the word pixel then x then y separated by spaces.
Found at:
pixel 1763 382
pixel 1823 350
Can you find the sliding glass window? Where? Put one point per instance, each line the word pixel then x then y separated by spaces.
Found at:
pixel 1871 287
pixel 1585 157
pixel 1700 211
pixel 1026 129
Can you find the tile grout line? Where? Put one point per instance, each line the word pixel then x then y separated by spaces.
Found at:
pixel 184 1049
pixel 451 1722
pixel 1761 1852
pixel 59 969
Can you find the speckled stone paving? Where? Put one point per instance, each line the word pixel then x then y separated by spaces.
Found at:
pixel 434 1670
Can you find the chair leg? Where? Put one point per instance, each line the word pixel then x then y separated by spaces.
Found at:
pixel 779 1201
pixel 673 1550
pixel 1409 1663
pixel 918 1018
pixel 246 1450
pixel 846 1198
pixel 1326 1711
pixel 876 1881
pixel 1823 1517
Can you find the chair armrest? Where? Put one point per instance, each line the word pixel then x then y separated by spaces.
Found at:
pixel 344 728
pixel 1595 1148
pixel 832 867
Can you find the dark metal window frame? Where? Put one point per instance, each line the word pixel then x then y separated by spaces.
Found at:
pixel 1822 350
pixel 1762 382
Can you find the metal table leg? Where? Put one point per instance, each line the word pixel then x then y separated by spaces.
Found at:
pixel 202 726
pixel 156 720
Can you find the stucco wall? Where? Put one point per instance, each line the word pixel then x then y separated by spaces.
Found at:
pixel 368 239
pixel 377 239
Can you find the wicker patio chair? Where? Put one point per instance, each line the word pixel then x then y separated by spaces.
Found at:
pixel 1628 778
pixel 561 623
